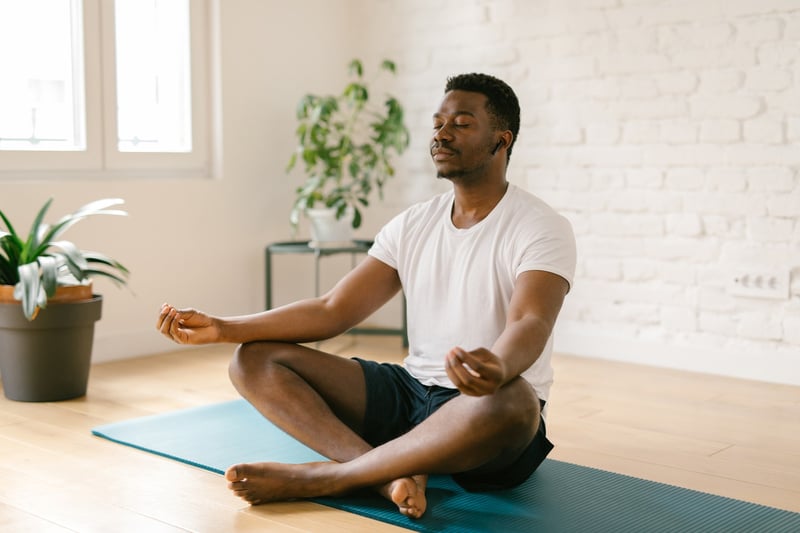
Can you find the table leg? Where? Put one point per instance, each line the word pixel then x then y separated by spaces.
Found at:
pixel 268 278
pixel 316 272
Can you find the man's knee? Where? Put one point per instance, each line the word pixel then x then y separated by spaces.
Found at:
pixel 252 360
pixel 515 407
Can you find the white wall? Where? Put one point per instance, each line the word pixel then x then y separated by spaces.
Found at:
pixel 667 131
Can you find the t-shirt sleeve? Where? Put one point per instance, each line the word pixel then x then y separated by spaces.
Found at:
pixel 551 248
pixel 385 246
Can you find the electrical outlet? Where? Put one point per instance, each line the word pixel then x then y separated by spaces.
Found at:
pixel 773 284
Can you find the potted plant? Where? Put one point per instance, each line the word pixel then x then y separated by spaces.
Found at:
pixel 346 144
pixel 47 308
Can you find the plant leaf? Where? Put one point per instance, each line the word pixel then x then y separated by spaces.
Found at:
pixel 292 162
pixel 356 93
pixel 28 289
pixel 6 277
pixel 12 246
pixel 28 253
pixel 389 66
pixel 72 258
pixel 98 207
pixel 72 253
pixel 303 105
pixel 98 258
pixel 7 223
pixel 356 68
pixel 49 274
pixel 91 272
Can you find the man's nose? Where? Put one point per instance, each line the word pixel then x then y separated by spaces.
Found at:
pixel 443 132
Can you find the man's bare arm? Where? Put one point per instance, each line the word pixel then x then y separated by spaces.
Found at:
pixel 362 291
pixel 532 314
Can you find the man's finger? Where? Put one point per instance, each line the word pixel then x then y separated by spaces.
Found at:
pixel 458 374
pixel 474 365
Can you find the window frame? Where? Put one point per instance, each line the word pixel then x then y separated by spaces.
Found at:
pixel 102 158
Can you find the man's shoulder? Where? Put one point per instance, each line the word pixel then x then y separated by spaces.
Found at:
pixel 527 205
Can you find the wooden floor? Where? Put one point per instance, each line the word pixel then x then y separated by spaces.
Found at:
pixel 724 436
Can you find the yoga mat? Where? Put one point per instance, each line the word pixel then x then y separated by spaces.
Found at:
pixel 558 497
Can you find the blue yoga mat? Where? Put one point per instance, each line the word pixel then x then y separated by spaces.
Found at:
pixel 558 497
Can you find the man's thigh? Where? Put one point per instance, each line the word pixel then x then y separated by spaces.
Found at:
pixel 339 381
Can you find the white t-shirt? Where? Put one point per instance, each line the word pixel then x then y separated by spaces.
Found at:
pixel 458 282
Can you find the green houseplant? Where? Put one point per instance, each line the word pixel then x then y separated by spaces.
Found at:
pixel 47 309
pixel 346 144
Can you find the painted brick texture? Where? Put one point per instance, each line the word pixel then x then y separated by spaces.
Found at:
pixel 667 132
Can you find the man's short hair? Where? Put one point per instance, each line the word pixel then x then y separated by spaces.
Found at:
pixel 501 102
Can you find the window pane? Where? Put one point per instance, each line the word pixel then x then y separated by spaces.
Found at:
pixel 153 76
pixel 41 75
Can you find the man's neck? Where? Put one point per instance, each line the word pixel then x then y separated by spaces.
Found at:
pixel 474 202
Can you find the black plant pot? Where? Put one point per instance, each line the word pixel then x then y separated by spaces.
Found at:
pixel 47 359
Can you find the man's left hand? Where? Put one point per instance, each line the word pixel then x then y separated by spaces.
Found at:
pixel 475 373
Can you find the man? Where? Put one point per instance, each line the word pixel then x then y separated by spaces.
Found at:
pixel 484 268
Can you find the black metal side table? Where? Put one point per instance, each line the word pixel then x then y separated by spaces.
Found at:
pixel 303 247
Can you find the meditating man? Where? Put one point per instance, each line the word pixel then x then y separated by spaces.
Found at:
pixel 484 268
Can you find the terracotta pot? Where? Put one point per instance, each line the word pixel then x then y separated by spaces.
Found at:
pixel 67 293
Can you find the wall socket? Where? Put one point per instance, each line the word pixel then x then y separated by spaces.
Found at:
pixel 773 284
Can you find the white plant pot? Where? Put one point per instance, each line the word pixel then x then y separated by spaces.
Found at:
pixel 327 231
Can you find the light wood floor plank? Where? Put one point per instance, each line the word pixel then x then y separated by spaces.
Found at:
pixel 730 437
pixel 13 519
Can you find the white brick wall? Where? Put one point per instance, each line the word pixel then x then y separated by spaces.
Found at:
pixel 667 131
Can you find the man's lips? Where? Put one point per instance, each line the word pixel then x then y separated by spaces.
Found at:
pixel 440 154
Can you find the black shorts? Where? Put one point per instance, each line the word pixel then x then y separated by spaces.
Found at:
pixel 397 402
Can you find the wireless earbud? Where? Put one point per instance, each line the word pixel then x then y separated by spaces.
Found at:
pixel 496 148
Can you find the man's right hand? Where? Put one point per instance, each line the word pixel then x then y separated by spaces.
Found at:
pixel 187 326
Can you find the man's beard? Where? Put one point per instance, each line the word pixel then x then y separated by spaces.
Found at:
pixel 453 174
pixel 466 175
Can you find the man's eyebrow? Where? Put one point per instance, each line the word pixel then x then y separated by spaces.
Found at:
pixel 455 114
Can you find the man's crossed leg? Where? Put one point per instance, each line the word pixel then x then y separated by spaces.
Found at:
pixel 322 401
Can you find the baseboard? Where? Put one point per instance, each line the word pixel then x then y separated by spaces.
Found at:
pixel 117 346
pixel 591 341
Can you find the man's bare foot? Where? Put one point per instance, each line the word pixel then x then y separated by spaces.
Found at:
pixel 258 483
pixel 408 494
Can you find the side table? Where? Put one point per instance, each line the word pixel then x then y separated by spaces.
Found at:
pixel 303 247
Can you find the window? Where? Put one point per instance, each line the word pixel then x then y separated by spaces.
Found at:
pixel 105 88
pixel 41 96
pixel 153 76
